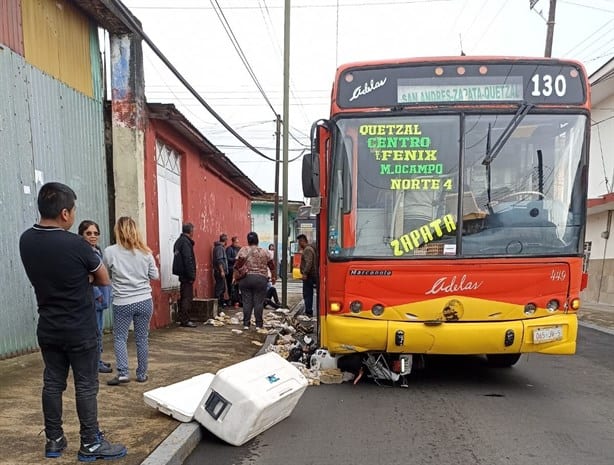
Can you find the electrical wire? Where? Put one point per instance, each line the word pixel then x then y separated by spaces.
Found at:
pixel 605 174
pixel 244 7
pixel 235 42
pixel 136 29
pixel 586 6
pixel 592 34
pixel 586 49
pixel 490 23
pixel 239 50
pixel 268 22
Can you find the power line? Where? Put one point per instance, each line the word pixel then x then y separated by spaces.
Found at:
pixel 136 29
pixel 270 27
pixel 239 50
pixel 592 7
pixel 245 7
pixel 475 18
pixel 603 167
pixel 235 42
pixel 595 38
pixel 490 23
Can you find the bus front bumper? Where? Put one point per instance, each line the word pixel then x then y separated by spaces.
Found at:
pixel 555 334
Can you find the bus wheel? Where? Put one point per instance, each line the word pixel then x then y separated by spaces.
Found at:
pixel 502 360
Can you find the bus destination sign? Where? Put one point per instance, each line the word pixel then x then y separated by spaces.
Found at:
pixel 459 90
pixel 535 82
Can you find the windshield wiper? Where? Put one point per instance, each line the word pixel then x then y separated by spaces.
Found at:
pixel 493 151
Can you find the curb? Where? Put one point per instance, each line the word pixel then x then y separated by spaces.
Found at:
pixel 597 327
pixel 184 439
pixel 177 446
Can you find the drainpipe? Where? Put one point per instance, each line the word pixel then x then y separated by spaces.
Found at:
pixel 606 236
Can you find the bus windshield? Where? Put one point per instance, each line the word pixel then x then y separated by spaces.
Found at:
pixel 422 186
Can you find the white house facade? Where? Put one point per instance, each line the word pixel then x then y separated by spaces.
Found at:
pixel 599 235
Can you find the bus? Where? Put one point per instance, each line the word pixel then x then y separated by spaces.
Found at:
pixel 304 223
pixel 452 197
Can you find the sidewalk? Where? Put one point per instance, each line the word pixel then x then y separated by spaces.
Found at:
pixel 175 354
pixel 597 316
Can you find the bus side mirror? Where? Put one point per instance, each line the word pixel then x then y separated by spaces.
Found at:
pixel 311 175
pixel 311 162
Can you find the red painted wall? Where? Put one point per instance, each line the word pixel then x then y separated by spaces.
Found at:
pixel 210 202
pixel 11 33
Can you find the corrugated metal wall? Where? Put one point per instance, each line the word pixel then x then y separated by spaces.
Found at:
pixel 56 38
pixel 10 25
pixel 48 132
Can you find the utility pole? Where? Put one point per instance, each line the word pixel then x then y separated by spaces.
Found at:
pixel 550 31
pixel 276 202
pixel 286 120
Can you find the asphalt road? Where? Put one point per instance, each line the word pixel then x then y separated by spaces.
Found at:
pixel 545 410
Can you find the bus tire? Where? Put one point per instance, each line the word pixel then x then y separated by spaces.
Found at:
pixel 502 360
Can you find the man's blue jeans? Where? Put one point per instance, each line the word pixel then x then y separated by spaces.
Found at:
pixel 82 357
pixel 308 285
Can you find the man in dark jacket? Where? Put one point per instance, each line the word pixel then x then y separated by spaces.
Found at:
pixel 184 266
pixel 220 270
pixel 308 268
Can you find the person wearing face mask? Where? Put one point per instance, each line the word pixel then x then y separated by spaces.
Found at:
pixel 102 294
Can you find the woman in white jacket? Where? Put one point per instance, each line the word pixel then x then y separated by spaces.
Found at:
pixel 132 266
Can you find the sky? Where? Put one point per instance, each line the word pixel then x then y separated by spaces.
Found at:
pixel 323 35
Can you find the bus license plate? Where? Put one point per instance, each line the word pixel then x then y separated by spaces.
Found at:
pixel 552 333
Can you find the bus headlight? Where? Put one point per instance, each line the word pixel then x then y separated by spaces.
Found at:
pixel 530 308
pixel 575 304
pixel 356 306
pixel 553 305
pixel 377 309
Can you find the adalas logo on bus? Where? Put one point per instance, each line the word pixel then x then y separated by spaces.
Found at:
pixel 367 88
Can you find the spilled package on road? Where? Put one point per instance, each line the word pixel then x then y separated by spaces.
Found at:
pixel 239 401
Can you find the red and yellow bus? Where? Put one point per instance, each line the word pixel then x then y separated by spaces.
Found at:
pixel 452 197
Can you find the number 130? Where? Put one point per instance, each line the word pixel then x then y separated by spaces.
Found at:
pixel 545 85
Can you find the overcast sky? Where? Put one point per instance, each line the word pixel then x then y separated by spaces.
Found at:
pixel 325 34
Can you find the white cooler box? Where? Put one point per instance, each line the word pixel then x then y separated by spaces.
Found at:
pixel 181 399
pixel 246 398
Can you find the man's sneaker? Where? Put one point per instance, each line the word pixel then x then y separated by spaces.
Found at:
pixel 55 447
pixel 101 449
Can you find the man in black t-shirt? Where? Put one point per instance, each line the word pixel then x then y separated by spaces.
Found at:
pixel 61 267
